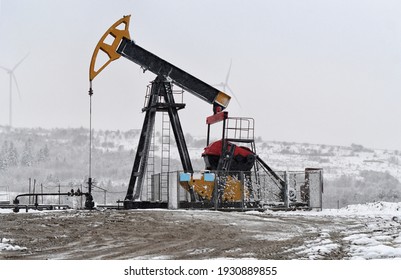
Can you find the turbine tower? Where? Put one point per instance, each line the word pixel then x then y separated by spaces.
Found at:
pixel 224 85
pixel 10 72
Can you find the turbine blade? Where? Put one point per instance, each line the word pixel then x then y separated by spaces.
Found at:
pixel 235 97
pixel 15 67
pixel 6 69
pixel 230 89
pixel 16 84
pixel 218 85
pixel 228 73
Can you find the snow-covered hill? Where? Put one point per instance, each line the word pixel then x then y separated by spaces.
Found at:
pixel 335 160
pixel 353 174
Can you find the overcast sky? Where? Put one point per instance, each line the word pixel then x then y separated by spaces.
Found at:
pixel 315 71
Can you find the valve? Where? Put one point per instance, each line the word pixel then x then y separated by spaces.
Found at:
pixel 71 192
pixel 16 208
pixel 89 204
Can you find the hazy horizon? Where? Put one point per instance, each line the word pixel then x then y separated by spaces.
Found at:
pixel 307 71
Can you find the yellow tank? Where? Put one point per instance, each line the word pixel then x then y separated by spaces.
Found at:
pixel 203 184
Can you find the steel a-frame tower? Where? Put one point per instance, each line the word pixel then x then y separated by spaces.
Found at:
pixel 161 99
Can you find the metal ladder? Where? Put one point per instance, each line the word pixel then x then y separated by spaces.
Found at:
pixel 150 168
pixel 165 155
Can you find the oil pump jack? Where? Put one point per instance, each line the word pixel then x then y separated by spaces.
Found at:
pixel 224 155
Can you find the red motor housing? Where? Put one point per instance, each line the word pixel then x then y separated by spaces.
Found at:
pixel 243 158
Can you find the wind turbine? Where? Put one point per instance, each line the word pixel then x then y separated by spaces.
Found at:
pixel 224 85
pixel 10 72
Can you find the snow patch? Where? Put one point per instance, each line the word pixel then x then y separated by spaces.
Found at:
pixel 152 257
pixel 398 239
pixel 5 211
pixel 234 250
pixel 362 240
pixel 201 251
pixel 381 238
pixel 380 251
pixel 6 245
pixel 381 207
pixel 316 249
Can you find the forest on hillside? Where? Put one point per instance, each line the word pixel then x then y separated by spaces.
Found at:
pixel 60 157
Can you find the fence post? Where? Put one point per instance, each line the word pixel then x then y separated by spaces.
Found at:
pixel 321 189
pixel 81 196
pixel 178 188
pixel 29 191
pixel 242 187
pixel 172 198
pixel 286 191
pixel 215 190
pixel 34 186
pixel 160 188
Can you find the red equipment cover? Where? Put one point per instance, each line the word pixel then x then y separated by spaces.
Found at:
pixel 214 149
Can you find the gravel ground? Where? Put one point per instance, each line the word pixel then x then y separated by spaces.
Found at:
pixel 181 234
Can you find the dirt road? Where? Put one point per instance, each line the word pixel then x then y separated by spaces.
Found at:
pixel 183 234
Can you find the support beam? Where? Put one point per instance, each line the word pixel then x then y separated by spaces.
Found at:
pixel 142 152
pixel 160 88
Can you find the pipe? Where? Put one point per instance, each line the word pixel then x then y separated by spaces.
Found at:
pixel 16 200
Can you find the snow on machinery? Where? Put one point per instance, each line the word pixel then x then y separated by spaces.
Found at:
pixel 233 169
